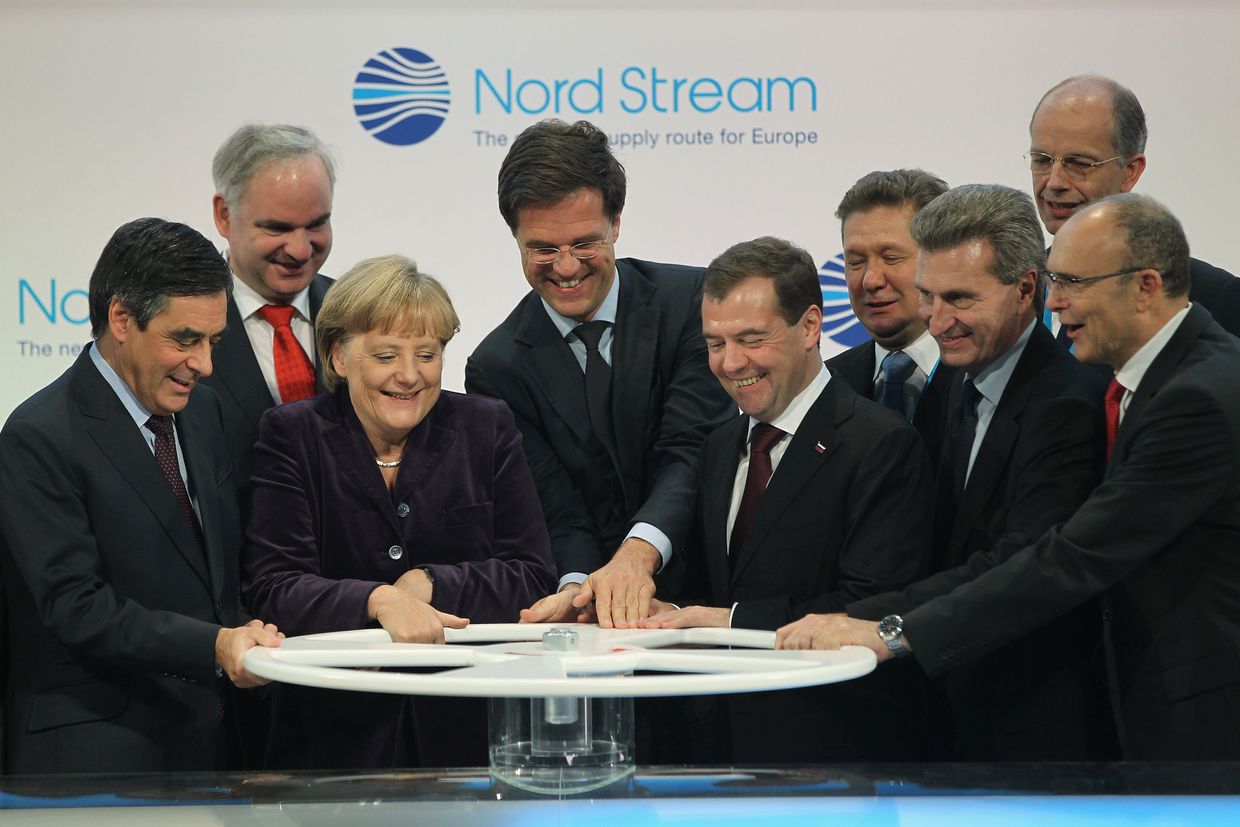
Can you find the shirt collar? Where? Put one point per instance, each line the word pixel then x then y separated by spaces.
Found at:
pixel 606 311
pixel 924 352
pixel 117 384
pixel 1133 371
pixel 248 302
pixel 791 418
pixel 992 379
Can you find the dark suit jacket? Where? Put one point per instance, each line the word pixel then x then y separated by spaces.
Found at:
pixel 325 532
pixel 664 402
pixel 856 367
pixel 1161 536
pixel 1218 291
pixel 832 527
pixel 114 605
pixel 1041 697
pixel 239 381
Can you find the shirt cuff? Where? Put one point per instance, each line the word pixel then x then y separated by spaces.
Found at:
pixel 656 538
pixel 571 577
pixel 732 614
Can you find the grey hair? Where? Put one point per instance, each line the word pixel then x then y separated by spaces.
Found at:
pixel 1128 130
pixel 254 146
pixel 1002 216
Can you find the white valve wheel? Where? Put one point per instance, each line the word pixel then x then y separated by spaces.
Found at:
pixel 508 660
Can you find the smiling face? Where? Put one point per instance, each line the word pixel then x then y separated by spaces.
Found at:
pixel 1099 316
pixel 279 232
pixel 974 317
pixel 393 381
pixel 572 287
pixel 880 260
pixel 1077 120
pixel 762 361
pixel 163 363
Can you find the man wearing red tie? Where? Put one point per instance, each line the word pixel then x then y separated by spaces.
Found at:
pixel 273 205
pixel 1159 538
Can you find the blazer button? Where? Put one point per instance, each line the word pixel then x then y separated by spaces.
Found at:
pixel 402 510
pixel 396 552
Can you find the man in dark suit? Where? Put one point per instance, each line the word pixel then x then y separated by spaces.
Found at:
pixel 899 367
pixel 1158 537
pixel 846 513
pixel 1023 452
pixel 1087 141
pixel 121 529
pixel 604 368
pixel 273 205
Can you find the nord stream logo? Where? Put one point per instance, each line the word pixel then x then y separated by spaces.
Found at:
pixel 838 321
pixel 401 96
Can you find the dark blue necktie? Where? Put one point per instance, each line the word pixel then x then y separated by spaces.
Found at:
pixel 897 368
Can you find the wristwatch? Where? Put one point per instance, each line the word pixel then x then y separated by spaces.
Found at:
pixel 891 630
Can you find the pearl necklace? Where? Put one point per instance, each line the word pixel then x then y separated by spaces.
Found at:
pixel 383 464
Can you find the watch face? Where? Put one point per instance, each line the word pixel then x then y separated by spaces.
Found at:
pixel 890 626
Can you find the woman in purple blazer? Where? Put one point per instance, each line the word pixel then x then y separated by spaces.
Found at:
pixel 388 502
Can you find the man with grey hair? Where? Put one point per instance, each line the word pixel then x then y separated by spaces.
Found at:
pixel 273 205
pixel 1023 451
pixel 1158 539
pixel 1087 141
pixel 899 367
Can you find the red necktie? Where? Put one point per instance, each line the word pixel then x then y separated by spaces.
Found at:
pixel 761 441
pixel 166 456
pixel 294 372
pixel 1110 404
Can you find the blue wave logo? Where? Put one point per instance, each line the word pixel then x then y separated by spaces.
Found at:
pixel 401 96
pixel 838 321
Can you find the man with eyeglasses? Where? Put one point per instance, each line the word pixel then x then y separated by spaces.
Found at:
pixel 1159 539
pixel 604 367
pixel 1087 141
pixel 1023 450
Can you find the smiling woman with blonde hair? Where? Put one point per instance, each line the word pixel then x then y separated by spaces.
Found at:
pixel 387 501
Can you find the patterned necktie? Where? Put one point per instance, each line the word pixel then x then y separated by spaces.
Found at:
pixel 598 380
pixel 1110 405
pixel 166 456
pixel 761 441
pixel 897 368
pixel 294 371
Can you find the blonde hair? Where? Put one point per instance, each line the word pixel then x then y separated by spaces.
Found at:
pixel 389 294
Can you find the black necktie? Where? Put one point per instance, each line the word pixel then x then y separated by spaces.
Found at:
pixel 598 381
pixel 166 456
pixel 964 429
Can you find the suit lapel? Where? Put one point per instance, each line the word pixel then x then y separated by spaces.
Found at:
pixel 241 377
pixel 120 441
pixel 634 352
pixel 552 368
pixel 346 441
pixel 995 451
pixel 856 367
pixel 318 289
pixel 801 461
pixel 718 476
pixel 200 470
pixel 1160 372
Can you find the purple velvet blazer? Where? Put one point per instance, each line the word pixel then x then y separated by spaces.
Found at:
pixel 324 532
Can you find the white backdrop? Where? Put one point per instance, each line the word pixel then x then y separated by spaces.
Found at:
pixel 114 111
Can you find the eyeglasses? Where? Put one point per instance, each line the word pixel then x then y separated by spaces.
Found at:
pixel 1074 166
pixel 1075 283
pixel 583 251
